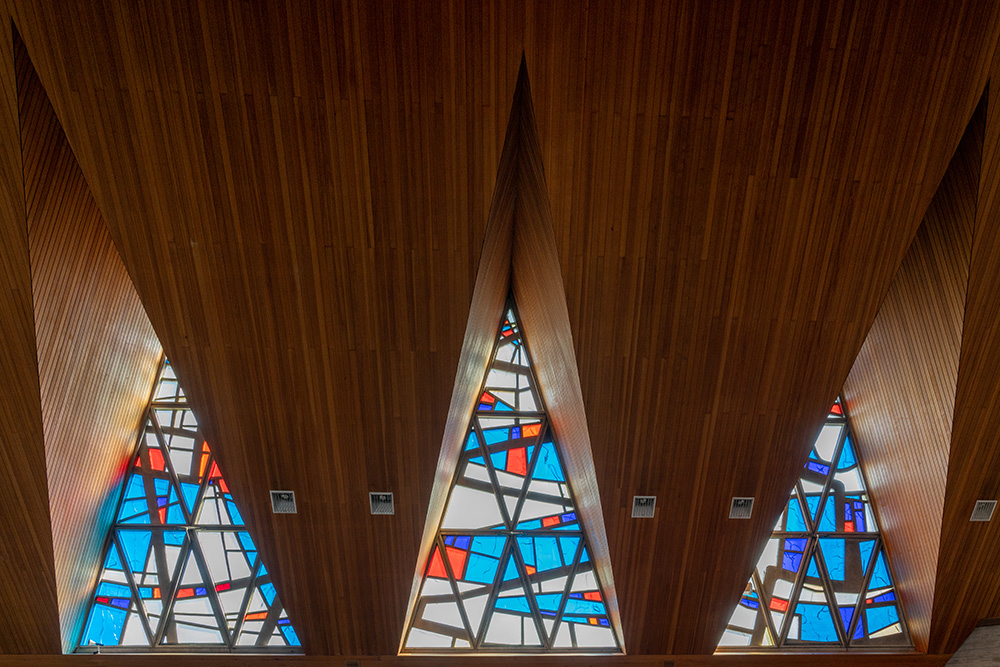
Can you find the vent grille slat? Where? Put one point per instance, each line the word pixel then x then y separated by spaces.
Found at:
pixel 643 507
pixel 983 511
pixel 741 508
pixel 283 502
pixel 381 503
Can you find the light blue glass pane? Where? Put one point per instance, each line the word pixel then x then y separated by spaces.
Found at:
pixel 502 407
pixel 813 571
pixel 112 590
pixel 513 604
pixel 548 601
pixel 881 617
pixel 816 623
pixel 491 546
pixel 568 546
pixel 795 522
pixel 174 513
pixel 575 606
pixel 234 513
pixel 290 636
pixel 495 435
pixel 833 554
pixel 161 486
pixel 548 467
pixel 190 492
pixel 847 458
pixel 135 544
pixel 481 569
pixel 472 442
pixel 104 626
pixel 880 576
pixel 584 556
pixel 511 572
pixel 268 591
pixel 813 503
pixel 112 562
pixel 866 552
pixel 174 537
pixel 828 519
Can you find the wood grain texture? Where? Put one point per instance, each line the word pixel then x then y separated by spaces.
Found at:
pixel 30 620
pixel 536 282
pixel 97 352
pixel 901 391
pixel 300 191
pixel 968 577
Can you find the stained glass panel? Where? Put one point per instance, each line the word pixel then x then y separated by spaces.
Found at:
pixel 823 578
pixel 178 568
pixel 510 570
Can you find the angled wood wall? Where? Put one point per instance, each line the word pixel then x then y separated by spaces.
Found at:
pixel 97 352
pixel 901 391
pixel 29 621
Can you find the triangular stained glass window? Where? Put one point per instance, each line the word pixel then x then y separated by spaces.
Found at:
pixel 510 569
pixel 180 567
pixel 823 579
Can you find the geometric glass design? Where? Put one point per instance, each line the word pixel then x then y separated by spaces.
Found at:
pixel 180 568
pixel 510 569
pixel 823 579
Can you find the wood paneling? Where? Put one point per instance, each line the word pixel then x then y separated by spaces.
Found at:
pixel 901 391
pixel 968 576
pixel 300 192
pixel 97 352
pixel 30 619
pixel 536 283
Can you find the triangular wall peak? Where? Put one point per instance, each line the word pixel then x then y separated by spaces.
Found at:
pixel 511 567
pixel 180 567
pixel 823 579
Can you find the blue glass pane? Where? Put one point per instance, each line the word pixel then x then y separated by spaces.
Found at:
pixel 880 617
pixel 833 555
pixel 112 562
pixel 472 442
pixel 575 606
pixel 549 601
pixel 290 636
pixel 190 492
pixel 847 458
pixel 510 573
pixel 491 546
pixel 112 590
pixel 513 604
pixel 816 623
pixel 880 576
pixel 268 591
pixel 104 626
pixel 481 569
pixel 548 467
pixel 135 544
pixel 866 547
pixel 795 522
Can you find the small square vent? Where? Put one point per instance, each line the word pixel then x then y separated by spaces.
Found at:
pixel 983 511
pixel 381 503
pixel 283 502
pixel 741 508
pixel 643 507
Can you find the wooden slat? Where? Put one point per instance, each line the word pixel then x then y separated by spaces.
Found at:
pixel 901 391
pixel 30 619
pixel 97 352
pixel 968 579
pixel 300 192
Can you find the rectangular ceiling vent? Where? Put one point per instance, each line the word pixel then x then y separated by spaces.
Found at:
pixel 643 507
pixel 381 503
pixel 741 508
pixel 283 502
pixel 352 663
pixel 983 511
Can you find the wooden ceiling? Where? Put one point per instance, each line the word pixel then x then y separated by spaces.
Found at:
pixel 299 192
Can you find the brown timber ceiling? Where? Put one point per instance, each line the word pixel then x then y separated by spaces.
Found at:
pixel 97 353
pixel 300 191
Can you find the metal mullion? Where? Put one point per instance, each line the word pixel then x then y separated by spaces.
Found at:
pixel 454 588
pixel 168 607
pixel 127 569
pixel 509 414
pixel 765 600
pixel 569 587
pixel 238 628
pixel 169 465
pixel 269 625
pixel 793 595
pixel 530 597
pixel 199 499
pixel 504 514
pixel 213 596
pixel 800 495
pixel 530 473
pixel 491 600
pixel 831 597
pixel 865 582
pixel 830 475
